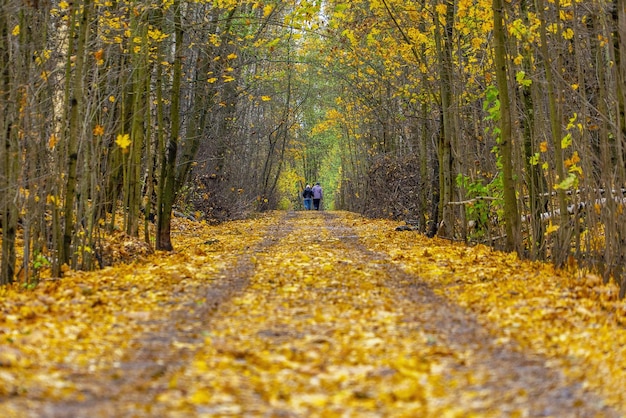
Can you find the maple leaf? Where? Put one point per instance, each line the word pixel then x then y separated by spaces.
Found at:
pixel 551 228
pixel 98 56
pixel 123 141
pixel 98 130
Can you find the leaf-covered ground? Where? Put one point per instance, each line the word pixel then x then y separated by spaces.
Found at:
pixel 322 314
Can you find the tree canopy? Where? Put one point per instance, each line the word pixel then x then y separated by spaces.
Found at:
pixel 480 121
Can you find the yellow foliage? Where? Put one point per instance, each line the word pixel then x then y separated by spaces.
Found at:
pixel 551 228
pixel 315 314
pixel 123 141
pixel 52 141
pixel 568 33
pixel 98 130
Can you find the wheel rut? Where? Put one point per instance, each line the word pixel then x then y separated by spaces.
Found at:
pixel 309 321
pixel 499 378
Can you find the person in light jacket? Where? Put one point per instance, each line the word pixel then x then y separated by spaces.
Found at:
pixel 318 195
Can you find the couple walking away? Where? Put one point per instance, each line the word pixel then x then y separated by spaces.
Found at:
pixel 312 195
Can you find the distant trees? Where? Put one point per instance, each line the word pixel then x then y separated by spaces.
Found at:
pixel 9 149
pixel 114 114
pixel 523 104
pixel 483 121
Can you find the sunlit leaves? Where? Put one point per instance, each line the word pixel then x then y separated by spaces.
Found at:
pixel 53 200
pixel 273 43
pixel 88 320
pixel 319 330
pixel 566 141
pixel 551 228
pixel 123 141
pixel 99 56
pixel 267 10
pixel 98 130
pixel 570 182
pixel 563 315
pixel 329 358
pixel 349 34
pixel 520 77
pixel 534 159
pixel 568 33
pixel 52 141
pixel 156 35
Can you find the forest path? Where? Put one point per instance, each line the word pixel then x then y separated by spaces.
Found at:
pixel 310 315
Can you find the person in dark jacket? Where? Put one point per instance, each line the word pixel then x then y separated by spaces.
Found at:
pixel 307 195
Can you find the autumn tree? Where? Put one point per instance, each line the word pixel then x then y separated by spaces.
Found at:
pixel 506 118
pixel 506 131
pixel 10 97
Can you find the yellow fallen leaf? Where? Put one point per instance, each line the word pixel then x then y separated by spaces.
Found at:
pixel 200 397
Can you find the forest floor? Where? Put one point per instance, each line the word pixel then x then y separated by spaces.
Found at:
pixel 314 314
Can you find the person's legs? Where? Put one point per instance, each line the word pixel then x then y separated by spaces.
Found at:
pixel 316 204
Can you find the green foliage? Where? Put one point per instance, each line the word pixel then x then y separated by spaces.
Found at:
pixel 521 79
pixel 492 107
pixel 40 261
pixel 492 104
pixel 477 211
pixel 570 182
pixel 486 200
pixel 534 160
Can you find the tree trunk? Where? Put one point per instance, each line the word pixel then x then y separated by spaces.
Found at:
pixel 8 155
pixel 423 158
pixel 443 41
pixel 167 190
pixel 139 110
pixel 535 179
pixel 434 213
pixel 202 98
pixel 619 52
pixel 561 246
pixel 620 58
pixel 511 213
pixel 75 110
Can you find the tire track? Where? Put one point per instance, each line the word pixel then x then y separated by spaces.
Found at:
pixel 510 380
pixel 311 323
pixel 129 387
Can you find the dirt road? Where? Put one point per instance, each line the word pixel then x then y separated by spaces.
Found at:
pixel 309 320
